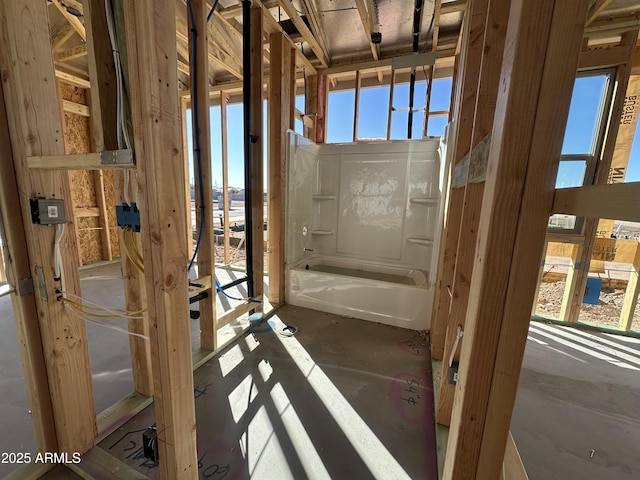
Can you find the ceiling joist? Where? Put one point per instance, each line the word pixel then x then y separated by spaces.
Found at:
pixel 73 20
pixel 367 17
pixel 307 35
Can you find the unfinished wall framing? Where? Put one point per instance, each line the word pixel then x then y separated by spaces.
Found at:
pixel 508 111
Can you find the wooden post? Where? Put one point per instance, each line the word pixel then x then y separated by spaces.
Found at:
pixel 321 112
pixel 257 187
pixel 573 271
pixel 104 133
pixel 631 295
pixel 392 84
pixel 280 98
pixel 23 301
pixel 496 27
pixel 356 107
pixel 311 105
pixel 540 61
pixel 35 128
pixel 466 91
pixel 603 170
pixel 224 99
pixel 199 67
pixel 158 145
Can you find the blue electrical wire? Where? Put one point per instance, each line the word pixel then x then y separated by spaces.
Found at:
pixel 219 289
pixel 196 127
pixel 215 4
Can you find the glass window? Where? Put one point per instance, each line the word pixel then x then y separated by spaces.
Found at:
pixel 436 125
pixel 340 116
pixel 583 133
pixel 584 114
pixel 571 173
pixel 373 113
pixel 440 95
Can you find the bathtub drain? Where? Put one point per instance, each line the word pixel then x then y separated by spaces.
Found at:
pixel 288 330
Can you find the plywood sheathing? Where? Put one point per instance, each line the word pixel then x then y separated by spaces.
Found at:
pixel 77 140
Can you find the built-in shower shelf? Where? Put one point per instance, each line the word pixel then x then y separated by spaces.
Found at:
pixel 321 232
pixel 423 200
pixel 322 198
pixel 420 241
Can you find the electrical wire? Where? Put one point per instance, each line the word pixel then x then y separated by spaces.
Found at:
pixel 104 324
pixel 131 249
pixel 57 257
pixel 122 130
pixel 89 305
pixel 215 4
pixel 196 129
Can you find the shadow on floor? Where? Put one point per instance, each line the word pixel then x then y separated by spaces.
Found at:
pixel 342 398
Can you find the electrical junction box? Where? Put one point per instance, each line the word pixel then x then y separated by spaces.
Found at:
pixel 128 216
pixel 47 211
pixel 452 376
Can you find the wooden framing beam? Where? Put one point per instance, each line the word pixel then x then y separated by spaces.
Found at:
pixel 202 166
pixel 104 135
pixel 71 53
pixel 72 79
pixel 322 98
pixel 255 126
pixel 75 108
pixel 224 134
pixel 493 48
pixel 367 18
pixel 307 35
pixel 35 125
pixel 60 35
pixel 74 21
pixel 453 7
pixel 18 270
pixel 392 84
pixel 281 97
pixel 228 62
pixel 310 12
pixel 356 106
pixel 631 295
pixel 603 57
pixel 466 93
pixel 617 200
pixel 80 161
pixel 437 7
pixel 155 104
pixel 596 9
pixel 311 102
pixel 537 79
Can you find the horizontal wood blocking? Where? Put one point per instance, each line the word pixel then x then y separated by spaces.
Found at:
pixel 72 79
pixel 240 310
pixel 618 201
pixel 604 57
pixel 83 161
pixel 76 108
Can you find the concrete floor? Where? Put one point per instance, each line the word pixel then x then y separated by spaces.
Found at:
pixel 577 414
pixel 108 352
pixel 330 400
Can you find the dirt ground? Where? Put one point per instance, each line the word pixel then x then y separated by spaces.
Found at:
pixel 606 313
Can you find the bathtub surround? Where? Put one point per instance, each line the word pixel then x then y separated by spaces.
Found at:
pixel 361 222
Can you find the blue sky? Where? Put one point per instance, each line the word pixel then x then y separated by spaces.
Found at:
pixel 581 125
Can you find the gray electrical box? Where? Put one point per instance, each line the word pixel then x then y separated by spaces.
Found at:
pixel 47 211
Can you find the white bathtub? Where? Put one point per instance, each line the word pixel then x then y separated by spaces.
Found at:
pixel 386 294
